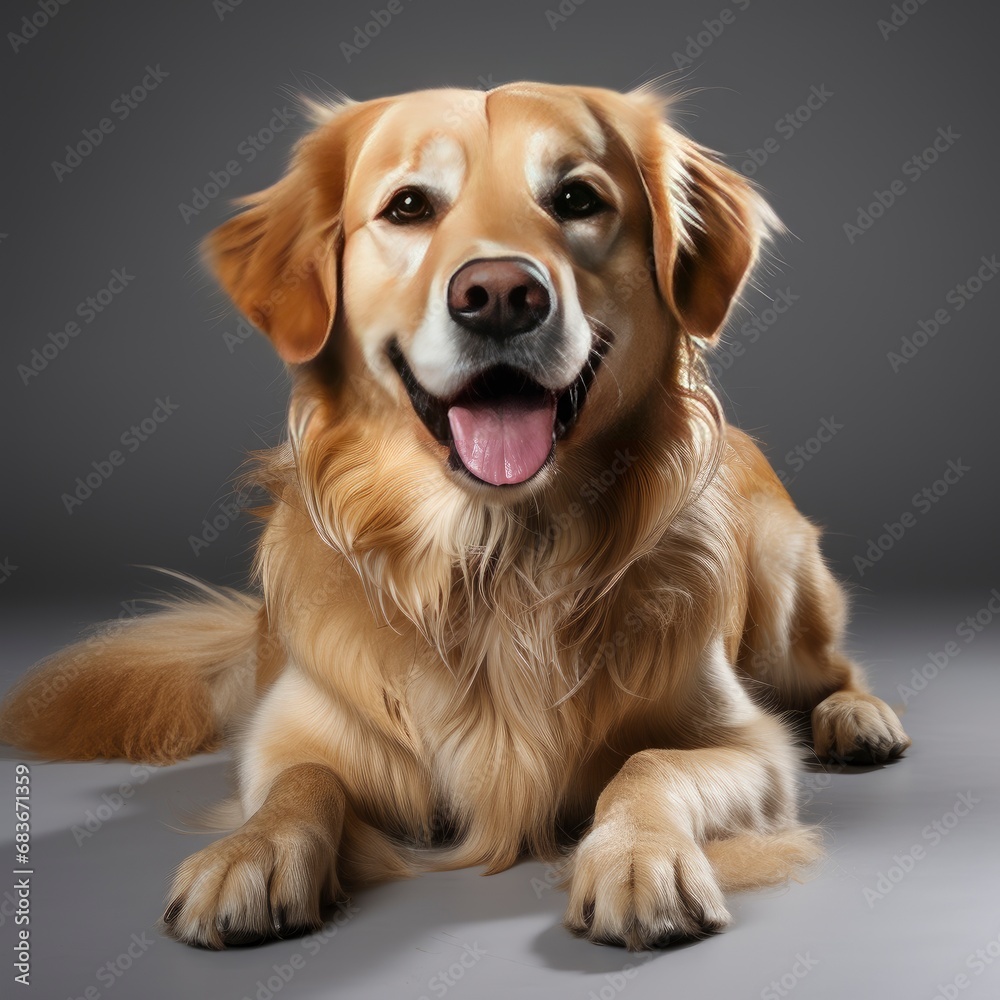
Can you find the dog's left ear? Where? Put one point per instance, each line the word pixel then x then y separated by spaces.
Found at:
pixel 277 259
pixel 708 226
pixel 708 221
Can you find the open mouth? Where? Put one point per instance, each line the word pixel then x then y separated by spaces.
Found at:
pixel 503 425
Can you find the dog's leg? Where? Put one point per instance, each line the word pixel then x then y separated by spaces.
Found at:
pixel 794 640
pixel 853 726
pixel 645 875
pixel 305 839
pixel 849 724
pixel 270 877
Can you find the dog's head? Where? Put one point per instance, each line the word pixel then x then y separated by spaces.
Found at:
pixel 508 270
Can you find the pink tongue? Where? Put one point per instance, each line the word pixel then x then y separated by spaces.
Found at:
pixel 504 441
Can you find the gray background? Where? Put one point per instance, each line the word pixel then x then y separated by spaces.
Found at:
pixel 163 336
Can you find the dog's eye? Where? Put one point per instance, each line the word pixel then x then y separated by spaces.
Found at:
pixel 409 205
pixel 576 200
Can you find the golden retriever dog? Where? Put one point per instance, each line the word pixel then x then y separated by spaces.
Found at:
pixel 524 592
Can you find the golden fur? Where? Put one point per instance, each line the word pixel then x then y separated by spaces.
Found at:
pixel 442 673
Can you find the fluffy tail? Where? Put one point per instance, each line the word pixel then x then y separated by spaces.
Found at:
pixel 742 862
pixel 752 861
pixel 154 689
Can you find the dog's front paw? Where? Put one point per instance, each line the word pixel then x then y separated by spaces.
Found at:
pixel 251 886
pixel 642 888
pixel 857 729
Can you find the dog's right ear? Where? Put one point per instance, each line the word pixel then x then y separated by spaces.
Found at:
pixel 277 259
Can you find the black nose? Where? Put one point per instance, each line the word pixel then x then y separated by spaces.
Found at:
pixel 497 298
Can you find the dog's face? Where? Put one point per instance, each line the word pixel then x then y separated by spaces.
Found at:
pixel 514 267
pixel 483 237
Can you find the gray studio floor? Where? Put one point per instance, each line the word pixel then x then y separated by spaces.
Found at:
pixel 907 905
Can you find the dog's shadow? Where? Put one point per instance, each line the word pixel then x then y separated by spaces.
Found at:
pixel 100 883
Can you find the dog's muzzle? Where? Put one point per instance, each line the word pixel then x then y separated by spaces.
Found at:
pixel 502 425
